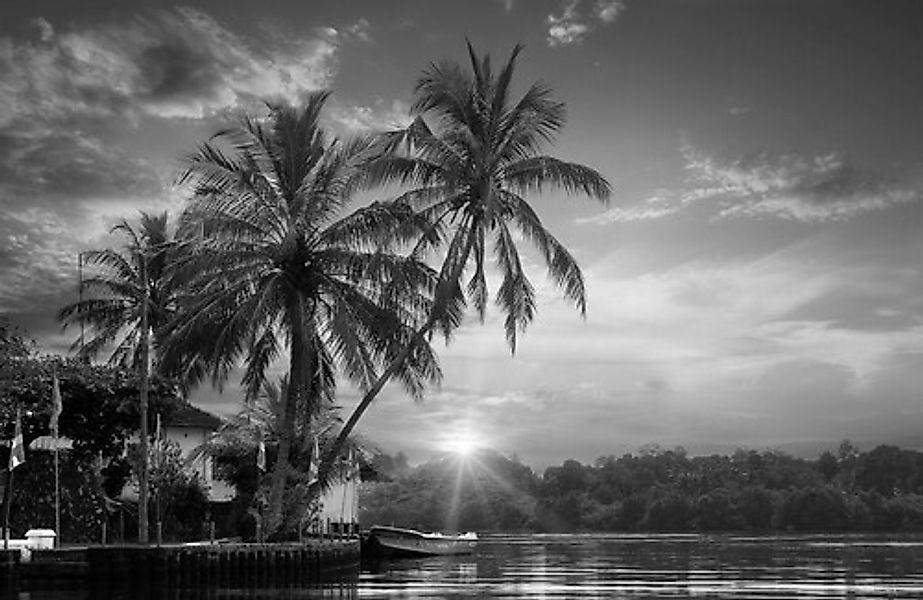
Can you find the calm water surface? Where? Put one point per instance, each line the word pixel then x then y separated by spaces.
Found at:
pixel 622 567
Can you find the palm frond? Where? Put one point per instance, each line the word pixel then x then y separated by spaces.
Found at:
pixel 535 173
pixel 515 296
pixel 562 266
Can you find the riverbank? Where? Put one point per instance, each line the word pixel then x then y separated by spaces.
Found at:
pixel 241 566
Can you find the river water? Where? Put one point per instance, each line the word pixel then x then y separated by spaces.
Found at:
pixel 621 567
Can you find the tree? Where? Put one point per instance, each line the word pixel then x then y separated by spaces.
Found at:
pixel 130 298
pixel 13 343
pixel 272 262
pixel 469 159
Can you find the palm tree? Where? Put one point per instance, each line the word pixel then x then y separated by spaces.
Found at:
pixel 273 263
pixel 129 299
pixel 470 158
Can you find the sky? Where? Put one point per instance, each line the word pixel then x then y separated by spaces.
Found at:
pixel 755 281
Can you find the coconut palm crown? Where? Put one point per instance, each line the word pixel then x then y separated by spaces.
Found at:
pixel 118 290
pixel 470 158
pixel 275 268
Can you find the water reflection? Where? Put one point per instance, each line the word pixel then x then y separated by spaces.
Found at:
pixel 656 567
pixel 637 567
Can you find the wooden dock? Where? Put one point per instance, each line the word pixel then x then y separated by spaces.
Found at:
pixel 174 567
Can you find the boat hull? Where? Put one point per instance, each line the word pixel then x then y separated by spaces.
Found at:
pixel 408 542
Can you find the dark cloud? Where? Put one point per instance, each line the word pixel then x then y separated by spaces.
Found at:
pixel 45 166
pixel 176 63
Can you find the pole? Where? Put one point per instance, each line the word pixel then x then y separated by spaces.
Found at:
pixel 57 495
pixel 158 451
pixel 80 298
pixel 145 367
pixel 6 518
pixel 55 406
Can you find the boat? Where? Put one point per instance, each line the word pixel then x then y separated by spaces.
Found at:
pixel 401 541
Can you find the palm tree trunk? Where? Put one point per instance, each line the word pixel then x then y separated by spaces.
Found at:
pixel 298 351
pixel 334 450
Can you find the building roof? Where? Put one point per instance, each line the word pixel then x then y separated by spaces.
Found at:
pixel 187 415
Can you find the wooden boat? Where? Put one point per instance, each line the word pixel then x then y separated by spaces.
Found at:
pixel 397 540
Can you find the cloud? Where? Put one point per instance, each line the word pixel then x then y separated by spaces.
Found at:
pixel 45 165
pixel 171 63
pixel 608 11
pixel 572 26
pixel 809 189
pixel 360 30
pixel 657 206
pixel 363 119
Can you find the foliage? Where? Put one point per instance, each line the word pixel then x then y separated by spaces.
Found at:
pixel 100 413
pixel 179 497
pixel 13 342
pixel 667 491
pixel 82 503
pixel 100 402
pixel 485 492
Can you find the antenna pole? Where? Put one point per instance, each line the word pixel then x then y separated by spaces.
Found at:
pixel 80 297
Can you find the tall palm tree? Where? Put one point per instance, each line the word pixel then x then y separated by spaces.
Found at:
pixel 273 263
pixel 468 161
pixel 128 300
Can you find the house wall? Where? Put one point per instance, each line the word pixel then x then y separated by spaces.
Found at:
pixel 188 439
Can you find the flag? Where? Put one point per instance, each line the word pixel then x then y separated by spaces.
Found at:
pixel 158 443
pixel 56 406
pixel 17 447
pixel 352 466
pixel 312 466
pixel 261 457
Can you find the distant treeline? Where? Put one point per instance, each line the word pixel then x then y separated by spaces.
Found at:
pixel 655 490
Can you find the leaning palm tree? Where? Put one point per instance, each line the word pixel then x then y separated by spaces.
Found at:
pixel 467 162
pixel 274 268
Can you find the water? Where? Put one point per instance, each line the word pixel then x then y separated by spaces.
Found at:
pixel 621 567
pixel 655 567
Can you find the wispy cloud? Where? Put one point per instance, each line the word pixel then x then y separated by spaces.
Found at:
pixel 808 189
pixel 361 119
pixel 571 25
pixel 360 30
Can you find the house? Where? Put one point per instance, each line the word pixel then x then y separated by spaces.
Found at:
pixel 190 427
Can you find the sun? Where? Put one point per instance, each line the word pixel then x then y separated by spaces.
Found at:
pixel 462 443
